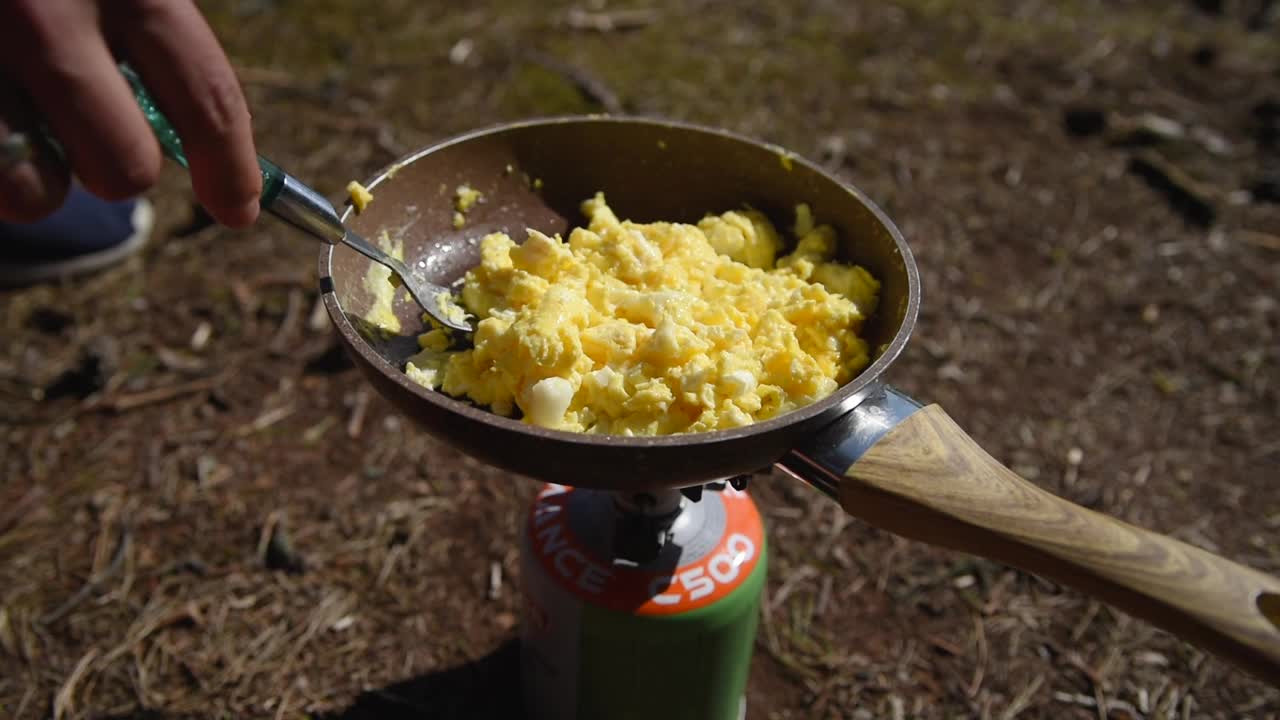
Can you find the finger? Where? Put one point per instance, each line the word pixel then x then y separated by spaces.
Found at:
pixel 174 50
pixel 64 65
pixel 33 182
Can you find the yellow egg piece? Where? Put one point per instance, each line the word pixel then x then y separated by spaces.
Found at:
pixel 360 197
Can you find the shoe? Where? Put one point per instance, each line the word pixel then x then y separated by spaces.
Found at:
pixel 84 235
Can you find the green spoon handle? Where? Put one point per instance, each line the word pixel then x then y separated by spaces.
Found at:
pixel 273 178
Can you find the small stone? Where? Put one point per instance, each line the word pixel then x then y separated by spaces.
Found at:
pixel 1149 128
pixel 1211 140
pixel 833 149
pixel 1151 659
pixel 461 51
pixel 200 338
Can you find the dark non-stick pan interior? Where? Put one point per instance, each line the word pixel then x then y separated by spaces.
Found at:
pixel 535 175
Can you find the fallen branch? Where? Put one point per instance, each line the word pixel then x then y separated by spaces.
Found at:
pixel 123 403
pixel 1185 195
pixel 591 87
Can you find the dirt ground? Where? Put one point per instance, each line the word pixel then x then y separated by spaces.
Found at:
pixel 204 511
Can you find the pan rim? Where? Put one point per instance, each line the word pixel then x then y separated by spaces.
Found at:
pixel 845 398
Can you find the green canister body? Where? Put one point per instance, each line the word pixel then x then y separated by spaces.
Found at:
pixel 670 637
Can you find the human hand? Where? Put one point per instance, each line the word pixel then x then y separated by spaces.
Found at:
pixel 56 61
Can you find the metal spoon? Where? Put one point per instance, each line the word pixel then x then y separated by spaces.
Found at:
pixel 289 199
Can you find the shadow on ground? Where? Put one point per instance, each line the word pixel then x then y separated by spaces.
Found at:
pixel 486 688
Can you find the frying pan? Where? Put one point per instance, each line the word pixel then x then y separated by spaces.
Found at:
pixel 884 457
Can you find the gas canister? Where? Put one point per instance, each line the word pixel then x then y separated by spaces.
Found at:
pixel 639 605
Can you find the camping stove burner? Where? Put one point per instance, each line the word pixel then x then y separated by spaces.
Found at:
pixel 737 482
pixel 643 524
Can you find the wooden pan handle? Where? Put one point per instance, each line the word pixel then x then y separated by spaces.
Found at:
pixel 927 479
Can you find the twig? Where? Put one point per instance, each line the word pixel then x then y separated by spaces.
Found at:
pixel 1023 700
pixel 1103 709
pixel 62 701
pixel 26 699
pixel 388 563
pixel 124 403
pixel 824 595
pixel 789 585
pixel 1083 626
pixel 1259 239
pixel 1187 197
pixel 284 703
pixel 605 22
pixel 152 621
pixel 180 362
pixel 1095 682
pixel 265 420
pixel 20 509
pixel 117 561
pixel 331 608
pixel 896 708
pixel 289 326
pixel 882 582
pixel 360 405
pixel 495 580
pixel 979 672
pixel 588 84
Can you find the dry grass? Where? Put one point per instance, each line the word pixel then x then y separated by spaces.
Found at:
pixel 205 512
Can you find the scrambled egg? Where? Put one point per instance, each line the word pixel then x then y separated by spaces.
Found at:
pixel 659 328
pixel 360 196
pixel 464 198
pixel 381 285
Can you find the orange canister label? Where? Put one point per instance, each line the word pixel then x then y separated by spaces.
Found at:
pixel 694 583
